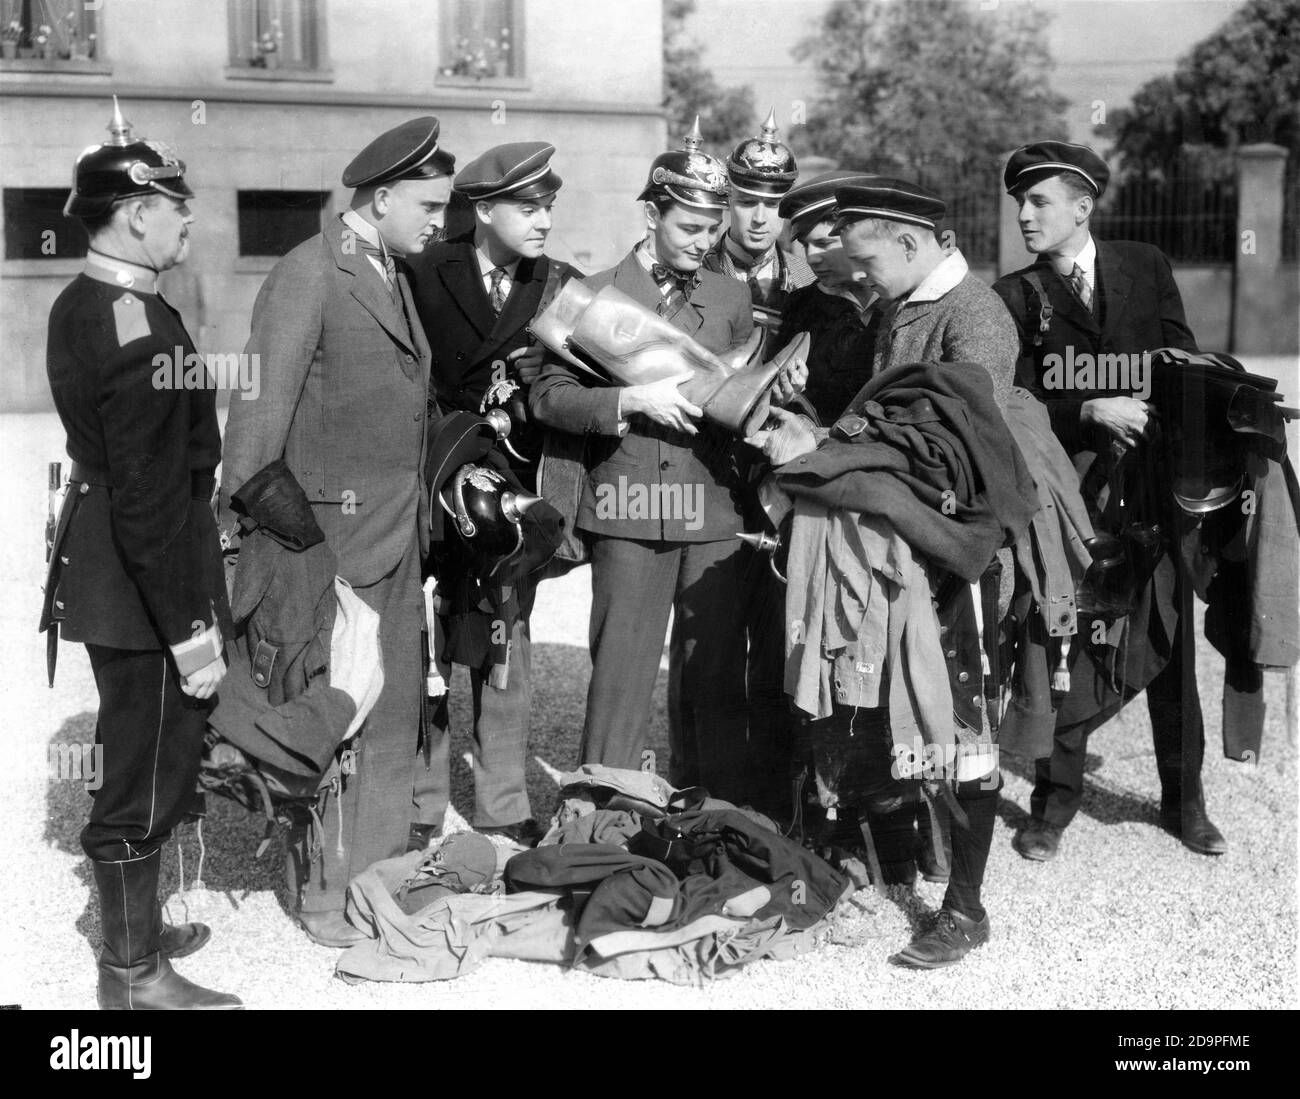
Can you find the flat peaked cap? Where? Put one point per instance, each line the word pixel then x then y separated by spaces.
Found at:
pixel 1050 157
pixel 519 170
pixel 813 200
pixel 398 153
pixel 893 199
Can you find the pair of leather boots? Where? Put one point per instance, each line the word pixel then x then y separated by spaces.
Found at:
pixel 135 972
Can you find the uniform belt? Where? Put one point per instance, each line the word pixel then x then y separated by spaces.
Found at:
pixel 201 484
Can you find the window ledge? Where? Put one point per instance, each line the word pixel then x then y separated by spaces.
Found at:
pixel 54 268
pixel 470 83
pixel 300 76
pixel 255 265
pixel 85 67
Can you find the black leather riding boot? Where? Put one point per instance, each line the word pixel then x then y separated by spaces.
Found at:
pixel 134 973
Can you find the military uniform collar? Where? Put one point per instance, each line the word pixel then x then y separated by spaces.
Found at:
pixel 947 273
pixel 365 230
pixel 120 272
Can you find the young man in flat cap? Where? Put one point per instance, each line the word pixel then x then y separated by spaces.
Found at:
pixel 135 571
pixel 345 402
pixel 934 311
pixel 476 298
pixel 760 171
pixel 838 310
pixel 1084 297
pixel 687 560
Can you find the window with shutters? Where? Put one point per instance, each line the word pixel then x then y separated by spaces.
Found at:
pixel 52 36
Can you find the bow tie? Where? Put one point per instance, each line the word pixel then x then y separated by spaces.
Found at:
pixel 685 281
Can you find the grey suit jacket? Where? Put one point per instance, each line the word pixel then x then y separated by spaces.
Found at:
pixel 344 399
pixel 650 456
pixel 968 323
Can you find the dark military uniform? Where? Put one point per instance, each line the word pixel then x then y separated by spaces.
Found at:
pixel 137 577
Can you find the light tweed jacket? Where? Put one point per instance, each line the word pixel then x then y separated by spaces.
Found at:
pixel 952 317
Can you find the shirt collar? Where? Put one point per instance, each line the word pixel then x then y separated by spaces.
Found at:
pixel 364 230
pixel 848 295
pixel 948 272
pixel 1086 259
pixel 120 272
pixel 486 266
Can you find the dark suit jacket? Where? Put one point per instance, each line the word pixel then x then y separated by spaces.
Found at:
pixel 839 359
pixel 344 400
pixel 138 562
pixel 718 316
pixel 465 339
pixel 1139 309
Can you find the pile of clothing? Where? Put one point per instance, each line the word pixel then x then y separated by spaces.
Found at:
pixel 628 883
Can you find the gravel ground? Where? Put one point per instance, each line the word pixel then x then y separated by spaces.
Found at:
pixel 1125 918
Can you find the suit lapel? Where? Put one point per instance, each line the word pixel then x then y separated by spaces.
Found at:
pixel 464 282
pixel 1114 284
pixel 370 292
pixel 525 293
pixel 422 351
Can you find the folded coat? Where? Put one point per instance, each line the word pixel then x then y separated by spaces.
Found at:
pixel 924 445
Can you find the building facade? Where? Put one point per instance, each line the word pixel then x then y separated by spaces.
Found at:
pixel 268 100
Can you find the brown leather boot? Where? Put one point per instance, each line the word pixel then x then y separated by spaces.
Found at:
pixel 608 330
pixel 134 973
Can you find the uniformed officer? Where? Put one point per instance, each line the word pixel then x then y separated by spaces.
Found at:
pixel 136 569
pixel 345 402
pixel 1088 298
pixel 683 558
pixel 476 298
pixel 760 171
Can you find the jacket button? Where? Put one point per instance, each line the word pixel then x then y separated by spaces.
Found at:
pixel 952 654
pixel 665 464
pixel 962 677
pixel 418 416
pixel 410 358
pixel 62 560
pixel 460 356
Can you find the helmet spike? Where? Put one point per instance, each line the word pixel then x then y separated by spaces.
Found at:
pixel 693 140
pixel 769 127
pixel 119 127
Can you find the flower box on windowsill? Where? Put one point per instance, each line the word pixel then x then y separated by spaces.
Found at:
pixel 251 72
pixel 516 83
pixel 86 66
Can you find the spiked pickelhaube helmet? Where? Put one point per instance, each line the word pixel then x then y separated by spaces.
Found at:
pixel 123 167
pixel 762 165
pixel 688 175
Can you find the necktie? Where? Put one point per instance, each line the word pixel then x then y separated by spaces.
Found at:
pixel 675 285
pixel 389 265
pixel 1079 285
pixel 497 295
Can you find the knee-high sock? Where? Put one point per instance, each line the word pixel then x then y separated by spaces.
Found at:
pixel 970 847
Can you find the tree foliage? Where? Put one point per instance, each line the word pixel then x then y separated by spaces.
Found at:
pixel 1238 86
pixel 690 89
pixel 922 87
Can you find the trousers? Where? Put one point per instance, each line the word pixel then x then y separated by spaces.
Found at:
pixel 367 817
pixel 1177 735
pixel 634 586
pixel 501 719
pixel 150 736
